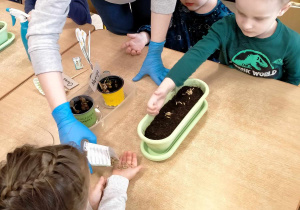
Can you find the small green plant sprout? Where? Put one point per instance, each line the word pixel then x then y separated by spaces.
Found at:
pixel 168 114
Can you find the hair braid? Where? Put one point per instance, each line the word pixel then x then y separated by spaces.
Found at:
pixel 43 178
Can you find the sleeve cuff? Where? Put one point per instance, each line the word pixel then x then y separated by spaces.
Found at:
pixel 118 183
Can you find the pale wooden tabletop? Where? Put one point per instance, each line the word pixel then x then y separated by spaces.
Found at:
pixel 15 68
pixel 243 153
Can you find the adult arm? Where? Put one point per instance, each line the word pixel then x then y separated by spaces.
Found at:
pixel 47 21
pixel 80 12
pixel 161 13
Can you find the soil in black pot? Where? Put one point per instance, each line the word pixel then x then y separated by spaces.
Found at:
pixel 173 112
pixel 110 84
pixel 81 105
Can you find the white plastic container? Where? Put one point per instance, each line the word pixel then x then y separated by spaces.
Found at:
pixel 107 116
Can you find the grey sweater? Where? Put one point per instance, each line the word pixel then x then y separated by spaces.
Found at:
pixel 47 21
pixel 114 195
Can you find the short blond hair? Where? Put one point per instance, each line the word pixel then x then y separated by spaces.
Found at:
pixel 47 178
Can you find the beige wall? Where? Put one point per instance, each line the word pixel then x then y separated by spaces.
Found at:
pixel 291 18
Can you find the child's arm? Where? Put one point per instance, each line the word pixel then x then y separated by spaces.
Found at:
pixel 80 12
pixel 158 97
pixel 47 21
pixel 184 68
pixel 136 43
pixel 292 61
pixel 115 193
pixel 95 194
pixel 194 57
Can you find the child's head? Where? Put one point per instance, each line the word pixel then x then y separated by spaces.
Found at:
pixel 197 5
pixel 257 18
pixel 48 178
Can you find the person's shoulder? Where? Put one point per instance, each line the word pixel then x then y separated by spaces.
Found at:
pixel 223 8
pixel 290 40
pixel 227 21
pixel 289 34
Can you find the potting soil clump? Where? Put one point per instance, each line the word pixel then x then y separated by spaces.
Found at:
pixel 173 112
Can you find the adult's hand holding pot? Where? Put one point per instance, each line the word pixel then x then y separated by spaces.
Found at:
pixel 71 131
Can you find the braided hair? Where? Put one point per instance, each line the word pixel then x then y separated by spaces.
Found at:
pixel 45 178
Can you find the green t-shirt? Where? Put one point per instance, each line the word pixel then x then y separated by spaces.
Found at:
pixel 277 56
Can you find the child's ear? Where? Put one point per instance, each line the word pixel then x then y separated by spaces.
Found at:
pixel 284 9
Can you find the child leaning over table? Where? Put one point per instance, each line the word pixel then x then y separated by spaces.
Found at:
pixel 57 178
pixel 253 41
pixel 191 21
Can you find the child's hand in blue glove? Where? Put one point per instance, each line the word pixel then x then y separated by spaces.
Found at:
pixel 153 65
pixel 71 131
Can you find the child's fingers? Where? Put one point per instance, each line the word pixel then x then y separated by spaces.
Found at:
pixel 126 44
pixel 132 36
pixel 153 113
pixel 138 52
pixel 152 102
pixel 133 52
pixel 120 161
pixel 128 50
pixel 124 157
pixel 129 157
pixel 134 160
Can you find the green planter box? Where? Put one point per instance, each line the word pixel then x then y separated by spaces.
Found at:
pixel 165 145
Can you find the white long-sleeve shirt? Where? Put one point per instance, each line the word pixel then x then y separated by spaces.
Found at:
pixel 114 195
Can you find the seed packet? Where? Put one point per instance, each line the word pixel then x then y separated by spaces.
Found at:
pixel 77 63
pixel 99 155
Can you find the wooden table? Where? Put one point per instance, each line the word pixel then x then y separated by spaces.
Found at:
pixel 15 68
pixel 243 153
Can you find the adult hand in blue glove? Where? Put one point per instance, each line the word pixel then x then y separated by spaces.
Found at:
pixel 71 131
pixel 153 65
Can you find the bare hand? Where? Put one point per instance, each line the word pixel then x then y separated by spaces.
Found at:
pixel 96 193
pixel 136 43
pixel 127 166
pixel 157 99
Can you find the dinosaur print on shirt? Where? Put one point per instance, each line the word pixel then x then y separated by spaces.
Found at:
pixel 254 63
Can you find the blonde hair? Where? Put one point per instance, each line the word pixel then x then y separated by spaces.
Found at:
pixel 47 178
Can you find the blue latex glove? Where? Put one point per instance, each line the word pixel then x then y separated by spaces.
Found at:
pixel 71 131
pixel 153 65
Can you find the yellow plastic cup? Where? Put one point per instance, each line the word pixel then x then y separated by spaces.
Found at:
pixel 116 94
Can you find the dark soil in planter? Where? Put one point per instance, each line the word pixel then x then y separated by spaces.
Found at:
pixel 81 105
pixel 110 84
pixel 173 112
